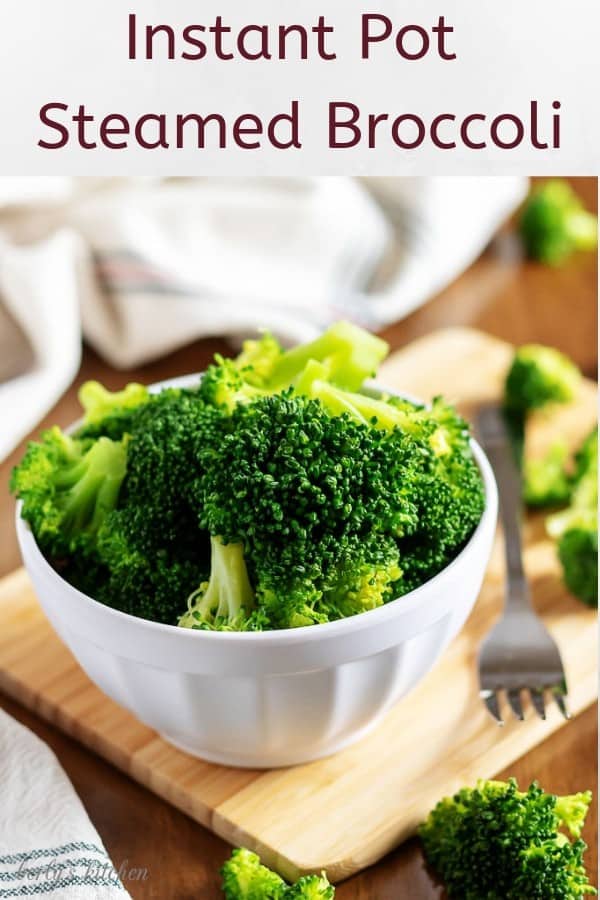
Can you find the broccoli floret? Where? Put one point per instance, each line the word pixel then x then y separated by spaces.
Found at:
pixel 68 487
pixel 153 545
pixel 576 527
pixel 258 359
pixel 538 376
pixel 108 413
pixel 554 223
pixel 304 492
pixel 348 354
pixel 546 481
pixel 225 385
pixel 311 887
pixel 245 878
pixel 496 842
pixel 227 598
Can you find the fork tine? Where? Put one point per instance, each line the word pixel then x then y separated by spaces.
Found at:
pixel 561 701
pixel 490 698
pixel 537 699
pixel 514 700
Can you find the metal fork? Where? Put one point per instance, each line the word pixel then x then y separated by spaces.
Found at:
pixel 518 654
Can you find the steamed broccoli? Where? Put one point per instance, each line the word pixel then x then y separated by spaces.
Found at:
pixel 539 376
pixel 273 495
pixel 496 842
pixel 245 878
pixel 554 223
pixel 546 481
pixel 68 487
pixel 576 527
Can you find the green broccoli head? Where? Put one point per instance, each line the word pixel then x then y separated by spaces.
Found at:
pixel 107 413
pixel 304 492
pixel 497 842
pixel 68 487
pixel 554 223
pixel 539 376
pixel 546 481
pixel 245 878
pixel 226 600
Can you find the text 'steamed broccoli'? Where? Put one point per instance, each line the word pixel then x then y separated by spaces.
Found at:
pixel 245 878
pixel 554 223
pixel 497 842
pixel 274 494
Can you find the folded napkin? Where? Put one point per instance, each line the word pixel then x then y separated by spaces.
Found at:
pixel 142 266
pixel 48 846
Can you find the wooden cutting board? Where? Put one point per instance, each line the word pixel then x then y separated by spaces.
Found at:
pixel 345 812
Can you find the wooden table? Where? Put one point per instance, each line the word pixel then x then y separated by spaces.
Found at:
pixel 500 294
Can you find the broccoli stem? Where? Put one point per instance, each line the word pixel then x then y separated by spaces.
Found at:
pixel 228 593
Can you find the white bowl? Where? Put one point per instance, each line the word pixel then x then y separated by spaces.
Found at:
pixel 275 698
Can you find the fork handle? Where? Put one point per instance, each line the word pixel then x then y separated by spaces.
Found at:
pixel 511 513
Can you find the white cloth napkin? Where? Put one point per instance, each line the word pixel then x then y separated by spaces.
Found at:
pixel 142 266
pixel 48 846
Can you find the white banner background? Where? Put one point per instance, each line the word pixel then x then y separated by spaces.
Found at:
pixel 507 54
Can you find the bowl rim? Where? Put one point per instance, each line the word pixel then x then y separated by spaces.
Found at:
pixel 407 602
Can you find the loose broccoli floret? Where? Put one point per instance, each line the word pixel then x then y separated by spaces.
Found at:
pixel 107 413
pixel 576 527
pixel 311 887
pixel 245 878
pixel 554 223
pixel 227 598
pixel 538 376
pixel 546 481
pixel 68 487
pixel 496 842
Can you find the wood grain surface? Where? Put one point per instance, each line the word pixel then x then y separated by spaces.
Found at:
pixel 500 294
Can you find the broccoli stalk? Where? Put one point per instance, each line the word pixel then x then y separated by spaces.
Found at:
pixel 245 878
pixel 227 598
pixel 68 487
pixel 497 842
pixel 554 224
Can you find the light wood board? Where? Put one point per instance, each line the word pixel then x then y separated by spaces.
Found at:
pixel 345 812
